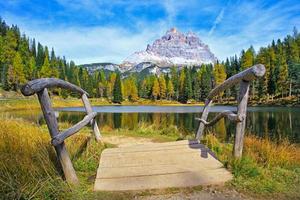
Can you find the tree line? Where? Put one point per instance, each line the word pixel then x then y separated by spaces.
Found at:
pixel 22 60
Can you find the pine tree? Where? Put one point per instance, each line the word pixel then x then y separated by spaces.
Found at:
pixel 110 84
pixel 219 75
pixel 53 64
pixel 283 76
pixel 181 86
pixel 162 86
pixel 133 96
pixel 170 90
pixel 16 75
pixel 175 81
pixel 155 89
pixel 186 86
pixel 117 91
pixel 247 58
pixel 30 68
pixel 197 88
pixel 45 70
pixel 205 81
pixel 40 56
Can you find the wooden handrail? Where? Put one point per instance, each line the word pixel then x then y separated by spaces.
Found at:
pixel 227 113
pixel 74 129
pixel 243 78
pixel 38 85
pixel 247 75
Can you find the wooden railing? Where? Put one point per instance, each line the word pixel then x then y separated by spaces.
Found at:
pixel 40 87
pixel 243 78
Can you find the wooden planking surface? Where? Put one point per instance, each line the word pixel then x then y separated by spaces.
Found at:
pixel 159 165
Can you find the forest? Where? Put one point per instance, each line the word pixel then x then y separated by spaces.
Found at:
pixel 22 60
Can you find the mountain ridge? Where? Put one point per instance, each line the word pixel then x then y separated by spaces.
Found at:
pixel 172 49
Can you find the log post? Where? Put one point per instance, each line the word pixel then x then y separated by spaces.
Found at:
pixel 240 126
pixel 52 125
pixel 89 110
pixel 204 118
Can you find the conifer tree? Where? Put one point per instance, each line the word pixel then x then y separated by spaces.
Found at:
pixel 162 86
pixel 155 89
pixel 40 56
pixel 219 73
pixel 45 69
pixel 117 90
pixel 133 96
pixel 16 75
pixel 175 81
pixel 30 68
pixel 283 77
pixel 247 58
pixel 170 90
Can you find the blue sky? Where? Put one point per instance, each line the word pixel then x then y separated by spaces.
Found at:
pixel 108 31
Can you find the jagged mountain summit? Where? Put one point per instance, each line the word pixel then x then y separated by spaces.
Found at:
pixel 174 48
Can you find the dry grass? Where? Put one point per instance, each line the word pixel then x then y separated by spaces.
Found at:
pixel 270 154
pixel 266 169
pixel 28 167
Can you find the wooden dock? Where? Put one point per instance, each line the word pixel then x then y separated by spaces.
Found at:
pixel 159 165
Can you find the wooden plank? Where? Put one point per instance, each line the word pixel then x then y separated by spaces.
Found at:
pixel 74 129
pixel 89 110
pixel 185 179
pixel 171 164
pixel 240 126
pixel 155 147
pixel 38 85
pixel 158 159
pixel 117 172
pixel 52 125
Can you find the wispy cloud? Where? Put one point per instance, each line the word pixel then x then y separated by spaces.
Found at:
pixel 217 21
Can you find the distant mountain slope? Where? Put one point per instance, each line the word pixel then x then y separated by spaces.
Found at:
pixel 174 48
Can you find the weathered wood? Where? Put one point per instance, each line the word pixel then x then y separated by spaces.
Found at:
pixel 89 110
pixel 38 85
pixel 159 165
pixel 247 75
pixel 52 125
pixel 74 129
pixel 240 126
pixel 204 118
pixel 227 113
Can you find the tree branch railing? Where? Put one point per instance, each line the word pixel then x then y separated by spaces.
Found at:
pixel 243 78
pixel 40 87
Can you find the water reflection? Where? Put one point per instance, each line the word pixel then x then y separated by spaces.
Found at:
pixel 276 123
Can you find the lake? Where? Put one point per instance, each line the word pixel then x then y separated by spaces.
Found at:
pixel 276 123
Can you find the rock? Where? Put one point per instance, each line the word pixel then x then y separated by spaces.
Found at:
pixel 173 48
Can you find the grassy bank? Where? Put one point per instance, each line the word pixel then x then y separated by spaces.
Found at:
pixel 29 168
pixel 32 103
pixel 266 170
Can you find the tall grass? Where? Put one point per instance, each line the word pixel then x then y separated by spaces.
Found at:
pixel 26 169
pixel 266 168
pixel 29 168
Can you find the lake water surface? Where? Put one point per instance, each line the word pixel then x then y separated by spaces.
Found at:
pixel 276 123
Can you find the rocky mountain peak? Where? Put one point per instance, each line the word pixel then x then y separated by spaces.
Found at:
pixel 174 48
